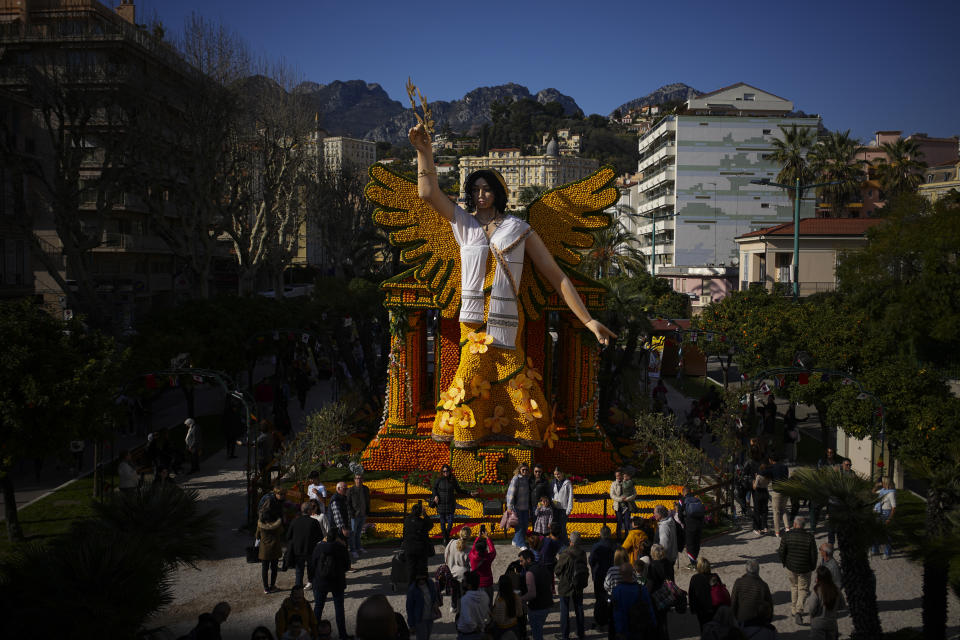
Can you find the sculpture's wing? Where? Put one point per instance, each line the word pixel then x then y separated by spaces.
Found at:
pixel 563 218
pixel 423 235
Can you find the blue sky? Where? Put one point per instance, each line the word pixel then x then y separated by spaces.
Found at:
pixel 888 64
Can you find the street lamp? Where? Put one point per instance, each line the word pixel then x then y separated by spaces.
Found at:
pixel 653 240
pixel 797 189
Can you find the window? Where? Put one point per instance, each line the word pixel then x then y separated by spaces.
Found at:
pixel 766 132
pixel 749 97
pixel 764 205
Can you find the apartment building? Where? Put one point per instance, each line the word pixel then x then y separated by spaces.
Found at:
pixel 940 181
pixel 697 170
pixel 87 50
pixel 549 170
pixel 340 151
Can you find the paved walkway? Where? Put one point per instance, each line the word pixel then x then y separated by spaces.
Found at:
pixel 228 577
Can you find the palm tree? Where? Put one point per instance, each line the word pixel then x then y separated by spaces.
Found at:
pixel 614 251
pixel 900 171
pixel 851 499
pixel 790 152
pixel 931 533
pixel 834 159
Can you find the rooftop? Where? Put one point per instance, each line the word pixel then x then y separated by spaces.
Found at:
pixel 819 227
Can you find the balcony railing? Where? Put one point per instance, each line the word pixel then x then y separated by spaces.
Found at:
pixel 666 200
pixel 669 174
pixel 656 155
pixel 133 242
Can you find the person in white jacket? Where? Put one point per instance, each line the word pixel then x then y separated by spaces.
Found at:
pixel 562 500
pixel 192 441
pixel 456 557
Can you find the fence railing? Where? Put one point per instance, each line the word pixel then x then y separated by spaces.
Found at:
pixel 492 506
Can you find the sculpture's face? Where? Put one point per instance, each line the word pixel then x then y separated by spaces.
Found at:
pixel 483 195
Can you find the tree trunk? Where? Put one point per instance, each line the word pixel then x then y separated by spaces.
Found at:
pixel 14 530
pixel 935 574
pixel 824 429
pixel 860 587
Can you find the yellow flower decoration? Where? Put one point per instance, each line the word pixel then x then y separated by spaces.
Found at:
pixel 479 341
pixel 532 373
pixel 497 421
pixel 463 417
pixel 480 387
pixel 550 436
pixel 454 395
pixel 445 423
pixel 531 408
pixel 520 382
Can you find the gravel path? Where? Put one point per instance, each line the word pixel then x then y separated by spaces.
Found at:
pixel 227 576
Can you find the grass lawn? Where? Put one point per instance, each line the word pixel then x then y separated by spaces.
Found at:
pixel 53 515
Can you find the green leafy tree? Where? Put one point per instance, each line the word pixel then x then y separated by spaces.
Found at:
pixel 903 276
pixel 57 385
pixel 631 302
pixel 850 498
pixel 900 171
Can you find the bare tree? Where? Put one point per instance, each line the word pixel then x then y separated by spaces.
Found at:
pixel 352 246
pixel 269 149
pixel 185 152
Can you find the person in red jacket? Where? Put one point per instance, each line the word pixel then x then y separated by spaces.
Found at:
pixel 481 557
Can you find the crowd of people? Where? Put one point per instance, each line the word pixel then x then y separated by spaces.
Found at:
pixel 634 569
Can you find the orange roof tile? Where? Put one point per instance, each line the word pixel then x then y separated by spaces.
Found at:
pixel 819 227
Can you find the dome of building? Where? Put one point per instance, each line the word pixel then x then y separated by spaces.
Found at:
pixel 553 149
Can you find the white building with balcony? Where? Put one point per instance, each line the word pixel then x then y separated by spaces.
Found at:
pixel 696 178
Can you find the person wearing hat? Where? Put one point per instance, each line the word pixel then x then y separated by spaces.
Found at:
pixel 192 441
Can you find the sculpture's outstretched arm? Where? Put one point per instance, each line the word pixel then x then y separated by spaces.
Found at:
pixel 548 267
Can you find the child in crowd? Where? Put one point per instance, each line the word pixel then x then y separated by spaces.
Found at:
pixel 544 517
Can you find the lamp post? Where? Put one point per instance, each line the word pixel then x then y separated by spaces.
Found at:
pixel 653 241
pixel 797 190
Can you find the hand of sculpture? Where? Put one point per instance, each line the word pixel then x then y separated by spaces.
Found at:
pixel 604 336
pixel 420 139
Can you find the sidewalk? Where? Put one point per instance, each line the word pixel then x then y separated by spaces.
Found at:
pixel 227 576
pixel 169 409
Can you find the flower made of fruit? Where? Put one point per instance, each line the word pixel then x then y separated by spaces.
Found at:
pixel 531 372
pixel 454 395
pixel 550 436
pixel 462 417
pixel 479 341
pixel 480 388
pixel 497 421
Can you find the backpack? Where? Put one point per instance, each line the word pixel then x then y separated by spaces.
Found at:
pixel 670 595
pixel 638 617
pixel 719 596
pixel 444 580
pixel 693 506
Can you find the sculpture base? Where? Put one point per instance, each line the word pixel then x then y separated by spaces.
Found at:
pixel 492 462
